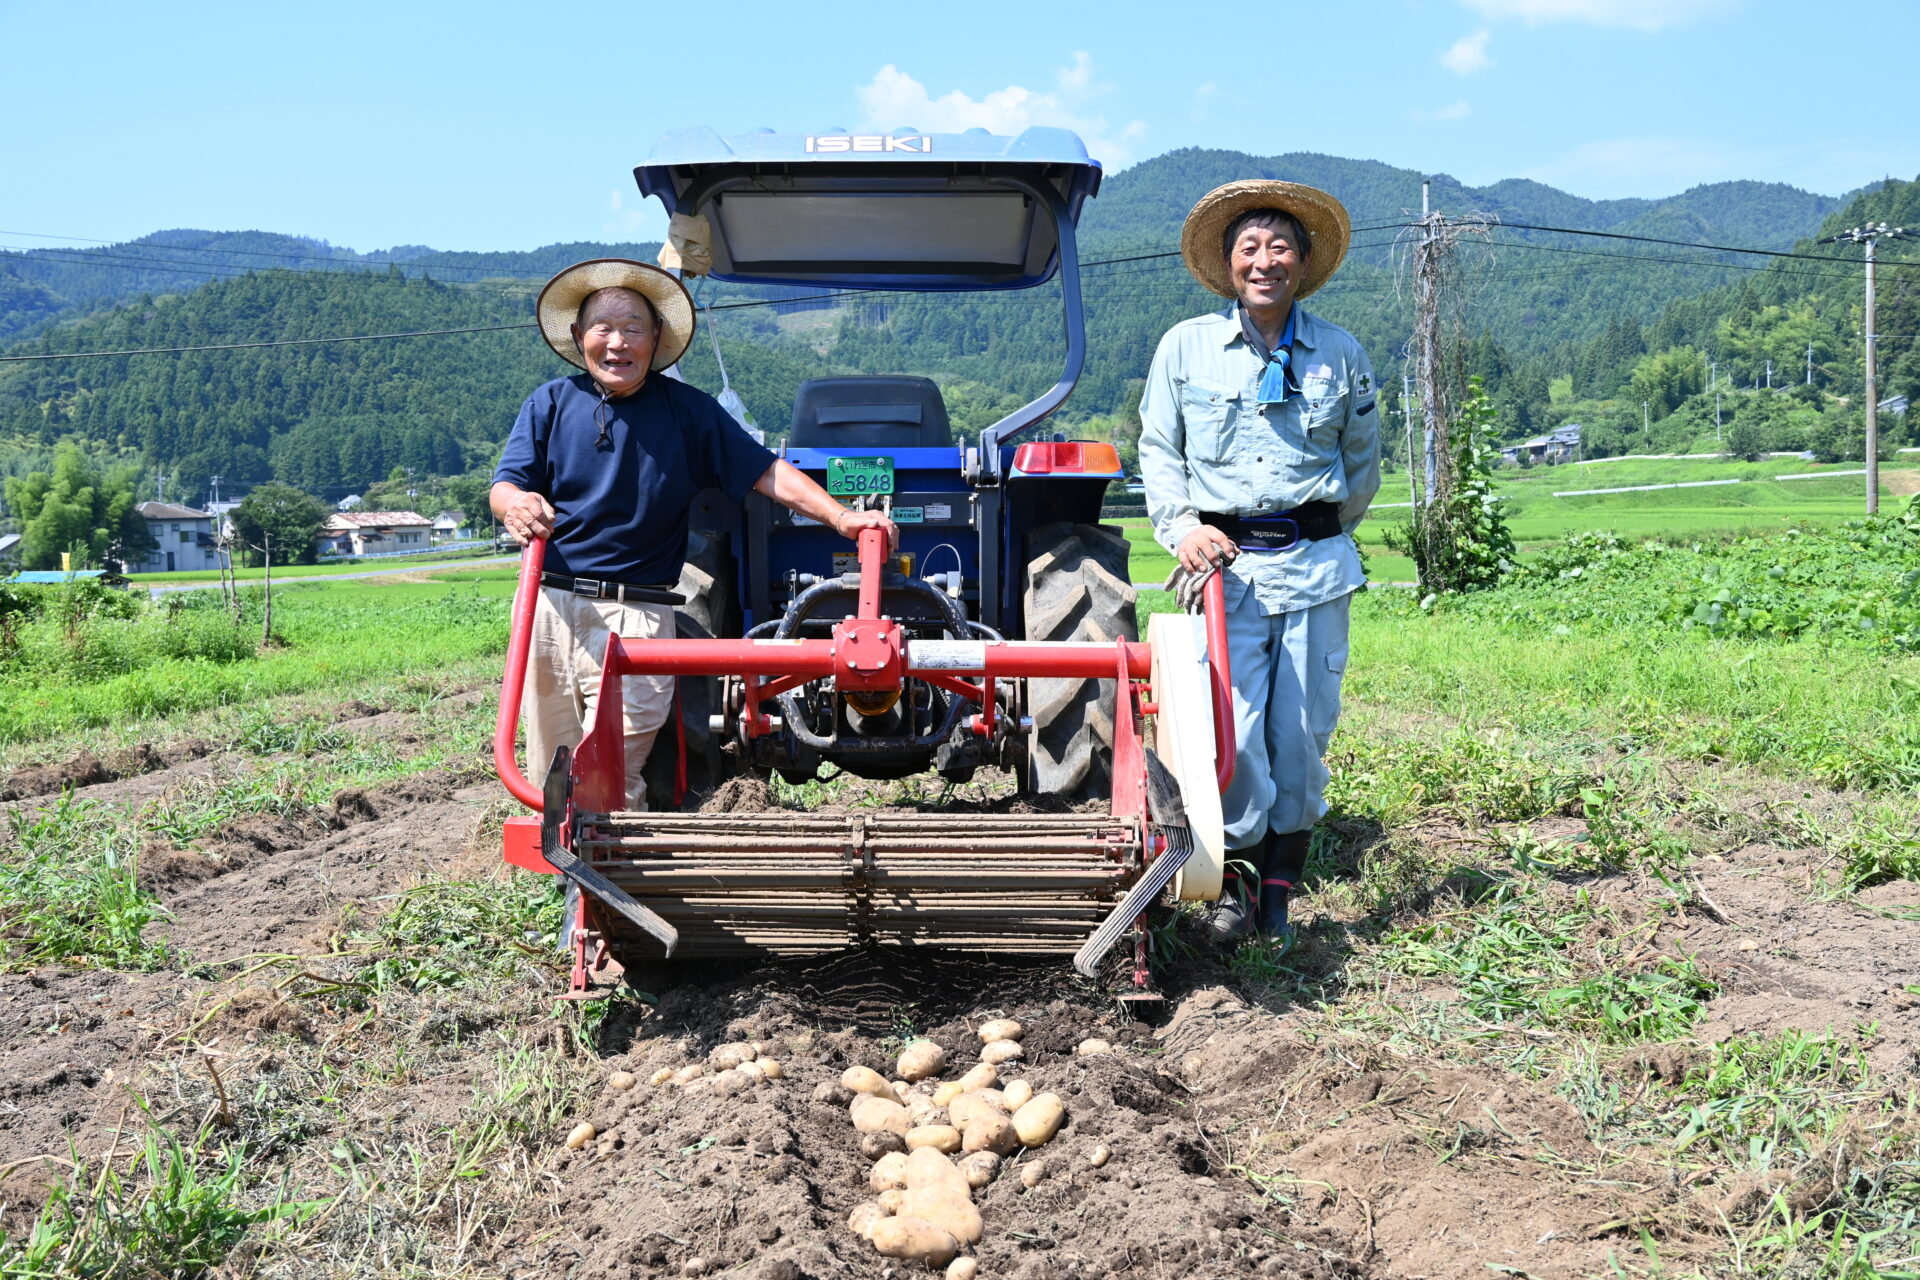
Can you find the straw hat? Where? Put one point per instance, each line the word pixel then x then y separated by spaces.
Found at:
pixel 1323 217
pixel 560 303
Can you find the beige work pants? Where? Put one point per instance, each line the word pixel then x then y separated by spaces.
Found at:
pixel 563 680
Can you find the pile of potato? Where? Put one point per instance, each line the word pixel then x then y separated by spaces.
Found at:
pixel 729 1069
pixel 934 1144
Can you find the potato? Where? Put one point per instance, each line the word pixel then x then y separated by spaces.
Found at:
pixel 728 1083
pixel 1092 1047
pixel 864 1215
pixel 890 1199
pixel 661 1076
pixel 883 1142
pixel 923 1110
pixel 962 1111
pixel 914 1240
pixel 1040 1119
pixel 692 1071
pixel 866 1080
pixel 945 1207
pixel 941 1137
pixel 963 1269
pixel 984 1076
pixel 871 1114
pixel 947 1092
pixel 729 1056
pixel 889 1173
pixel 582 1134
pixel 921 1059
pixel 1099 1156
pixel 1000 1029
pixel 753 1072
pixel 929 1170
pixel 833 1093
pixel 993 1133
pixel 771 1067
pixel 1018 1093
pixel 901 1091
pixel 978 1168
pixel 1002 1051
pixel 621 1080
pixel 1033 1173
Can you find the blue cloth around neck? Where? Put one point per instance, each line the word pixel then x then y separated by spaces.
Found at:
pixel 1273 379
pixel 621 508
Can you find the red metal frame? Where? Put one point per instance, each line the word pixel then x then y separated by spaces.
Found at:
pixel 867 651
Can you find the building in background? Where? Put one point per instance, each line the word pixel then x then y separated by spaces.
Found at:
pixel 368 533
pixel 184 539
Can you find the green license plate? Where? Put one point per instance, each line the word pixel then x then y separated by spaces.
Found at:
pixel 850 477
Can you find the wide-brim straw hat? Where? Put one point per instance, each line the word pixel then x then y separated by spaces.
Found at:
pixel 560 303
pixel 1322 217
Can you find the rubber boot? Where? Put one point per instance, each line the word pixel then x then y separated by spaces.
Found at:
pixel 1283 864
pixel 1231 919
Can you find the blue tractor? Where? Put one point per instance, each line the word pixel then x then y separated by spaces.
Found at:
pixel 999 537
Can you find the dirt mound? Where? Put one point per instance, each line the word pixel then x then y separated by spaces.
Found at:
pixel 743 794
pixel 84 769
pixel 765 1180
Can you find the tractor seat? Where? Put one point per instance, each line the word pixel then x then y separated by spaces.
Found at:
pixel 869 412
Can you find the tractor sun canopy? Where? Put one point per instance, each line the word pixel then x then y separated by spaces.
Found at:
pixel 900 210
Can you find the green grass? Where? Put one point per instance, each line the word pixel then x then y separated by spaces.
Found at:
pixel 253 575
pixel 326 634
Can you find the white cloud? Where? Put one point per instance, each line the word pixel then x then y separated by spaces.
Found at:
pixel 1640 15
pixel 646 222
pixel 1452 111
pixel 1202 100
pixel 1468 54
pixel 893 99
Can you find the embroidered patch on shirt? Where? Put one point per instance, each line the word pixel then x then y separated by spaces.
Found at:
pixel 1366 383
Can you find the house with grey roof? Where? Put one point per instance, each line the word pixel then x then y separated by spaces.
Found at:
pixel 184 538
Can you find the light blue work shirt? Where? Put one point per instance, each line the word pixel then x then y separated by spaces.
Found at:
pixel 1208 444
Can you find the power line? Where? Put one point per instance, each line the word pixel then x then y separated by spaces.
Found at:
pixel 1689 244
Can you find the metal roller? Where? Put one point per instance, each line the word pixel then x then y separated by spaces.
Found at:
pixel 790 884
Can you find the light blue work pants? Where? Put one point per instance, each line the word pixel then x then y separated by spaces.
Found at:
pixel 1286 700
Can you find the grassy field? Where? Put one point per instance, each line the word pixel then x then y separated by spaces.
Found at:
pixel 1758 505
pixel 255 574
pixel 1627 884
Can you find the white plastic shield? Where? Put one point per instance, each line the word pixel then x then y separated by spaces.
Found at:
pixel 1183 739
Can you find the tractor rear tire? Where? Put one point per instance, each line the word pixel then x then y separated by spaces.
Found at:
pixel 1077 588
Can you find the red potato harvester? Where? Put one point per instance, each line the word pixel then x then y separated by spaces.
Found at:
pixel 806 656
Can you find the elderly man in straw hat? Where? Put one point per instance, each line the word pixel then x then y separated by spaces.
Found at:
pixel 605 464
pixel 1260 447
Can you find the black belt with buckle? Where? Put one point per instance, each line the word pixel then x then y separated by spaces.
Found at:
pixel 623 592
pixel 1308 522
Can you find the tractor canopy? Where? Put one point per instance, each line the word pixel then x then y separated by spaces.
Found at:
pixel 899 210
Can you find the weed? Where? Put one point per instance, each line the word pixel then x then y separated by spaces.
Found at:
pixel 68 891
pixel 175 1211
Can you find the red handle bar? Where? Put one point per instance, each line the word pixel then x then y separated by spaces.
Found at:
pixel 1226 747
pixel 520 640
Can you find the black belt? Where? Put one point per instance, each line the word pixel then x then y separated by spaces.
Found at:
pixel 624 592
pixel 1308 522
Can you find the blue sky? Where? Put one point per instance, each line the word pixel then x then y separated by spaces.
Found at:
pixel 494 125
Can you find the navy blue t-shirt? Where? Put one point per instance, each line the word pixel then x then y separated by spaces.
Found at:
pixel 621 507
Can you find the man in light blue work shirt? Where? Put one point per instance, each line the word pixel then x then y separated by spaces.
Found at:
pixel 1260 448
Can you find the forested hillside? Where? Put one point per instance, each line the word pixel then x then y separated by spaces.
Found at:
pixel 335 418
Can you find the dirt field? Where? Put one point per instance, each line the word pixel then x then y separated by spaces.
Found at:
pixel 363 1004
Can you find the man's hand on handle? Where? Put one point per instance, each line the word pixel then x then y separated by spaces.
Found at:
pixel 1204 548
pixel 525 515
pixel 848 524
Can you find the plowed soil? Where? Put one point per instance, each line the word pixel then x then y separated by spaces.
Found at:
pixel 1247 1139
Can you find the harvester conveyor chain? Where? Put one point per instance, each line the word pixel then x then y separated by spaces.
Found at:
pixel 797 883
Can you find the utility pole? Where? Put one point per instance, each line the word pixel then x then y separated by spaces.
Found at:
pixel 1809 362
pixel 215 481
pixel 1870 235
pixel 1769 373
pixel 1713 375
pixel 159 485
pixel 1427 308
pixel 1646 420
